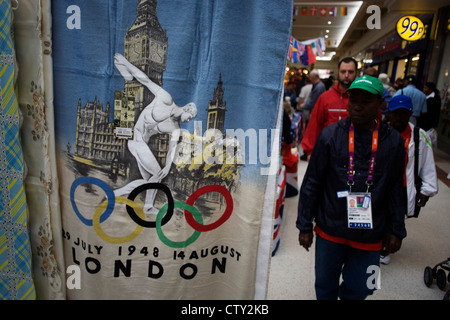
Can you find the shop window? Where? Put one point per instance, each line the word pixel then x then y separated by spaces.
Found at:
pixel 401 68
pixel 414 65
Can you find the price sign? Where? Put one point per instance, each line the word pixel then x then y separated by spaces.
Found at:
pixel 410 28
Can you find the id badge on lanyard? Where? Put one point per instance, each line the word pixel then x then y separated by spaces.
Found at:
pixel 359 205
pixel 359 211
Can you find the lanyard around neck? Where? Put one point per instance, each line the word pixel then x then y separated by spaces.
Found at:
pixel 351 157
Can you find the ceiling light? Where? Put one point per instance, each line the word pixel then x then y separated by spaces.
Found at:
pixel 352 11
pixel 326 57
pixel 326 36
pixel 327 31
pixel 329 22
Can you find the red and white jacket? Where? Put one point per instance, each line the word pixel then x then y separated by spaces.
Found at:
pixel 427 168
pixel 329 108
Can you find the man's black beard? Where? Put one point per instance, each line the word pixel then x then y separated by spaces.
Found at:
pixel 345 85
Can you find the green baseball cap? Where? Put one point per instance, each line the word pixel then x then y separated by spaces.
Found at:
pixel 369 84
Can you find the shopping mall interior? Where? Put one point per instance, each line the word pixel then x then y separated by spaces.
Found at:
pixel 138 112
pixel 367 31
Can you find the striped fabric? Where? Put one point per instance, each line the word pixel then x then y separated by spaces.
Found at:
pixel 15 259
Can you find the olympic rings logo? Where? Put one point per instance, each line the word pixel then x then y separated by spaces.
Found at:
pixel 192 214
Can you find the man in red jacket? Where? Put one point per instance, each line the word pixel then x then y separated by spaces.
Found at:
pixel 331 105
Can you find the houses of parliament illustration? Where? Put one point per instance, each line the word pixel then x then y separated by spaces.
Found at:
pixel 102 142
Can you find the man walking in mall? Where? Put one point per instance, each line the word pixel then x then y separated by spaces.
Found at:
pixel 331 105
pixel 418 98
pixel 425 185
pixel 358 160
pixel 307 107
pixel 318 87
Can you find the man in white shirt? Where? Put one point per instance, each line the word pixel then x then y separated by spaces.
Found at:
pixel 305 91
pixel 399 110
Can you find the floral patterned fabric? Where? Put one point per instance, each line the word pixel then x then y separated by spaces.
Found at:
pixel 35 94
pixel 16 282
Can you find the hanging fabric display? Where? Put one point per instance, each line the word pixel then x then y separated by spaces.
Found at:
pixel 306 51
pixel 32 30
pixel 16 282
pixel 311 56
pixel 167 140
pixel 281 194
pixel 323 12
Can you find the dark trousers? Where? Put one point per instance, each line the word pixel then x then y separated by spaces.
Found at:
pixel 356 267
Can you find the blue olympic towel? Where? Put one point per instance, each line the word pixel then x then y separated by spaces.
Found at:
pixel 128 72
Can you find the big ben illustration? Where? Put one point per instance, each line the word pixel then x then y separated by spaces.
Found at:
pixel 145 47
pixel 98 140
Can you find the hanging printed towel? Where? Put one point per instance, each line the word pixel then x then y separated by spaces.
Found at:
pixel 16 281
pixel 166 126
pixel 281 195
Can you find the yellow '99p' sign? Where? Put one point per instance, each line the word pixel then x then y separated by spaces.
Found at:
pixel 410 28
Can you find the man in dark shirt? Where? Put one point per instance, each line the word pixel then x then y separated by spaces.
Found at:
pixel 317 89
pixel 431 118
pixel 307 107
pixel 362 159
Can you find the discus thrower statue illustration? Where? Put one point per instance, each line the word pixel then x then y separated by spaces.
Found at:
pixel 162 115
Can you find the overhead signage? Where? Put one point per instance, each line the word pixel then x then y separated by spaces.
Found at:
pixel 410 28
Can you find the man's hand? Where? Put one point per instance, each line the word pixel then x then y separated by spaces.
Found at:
pixel 421 200
pixel 391 244
pixel 163 173
pixel 305 239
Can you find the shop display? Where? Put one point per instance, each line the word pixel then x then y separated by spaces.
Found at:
pixel 164 136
